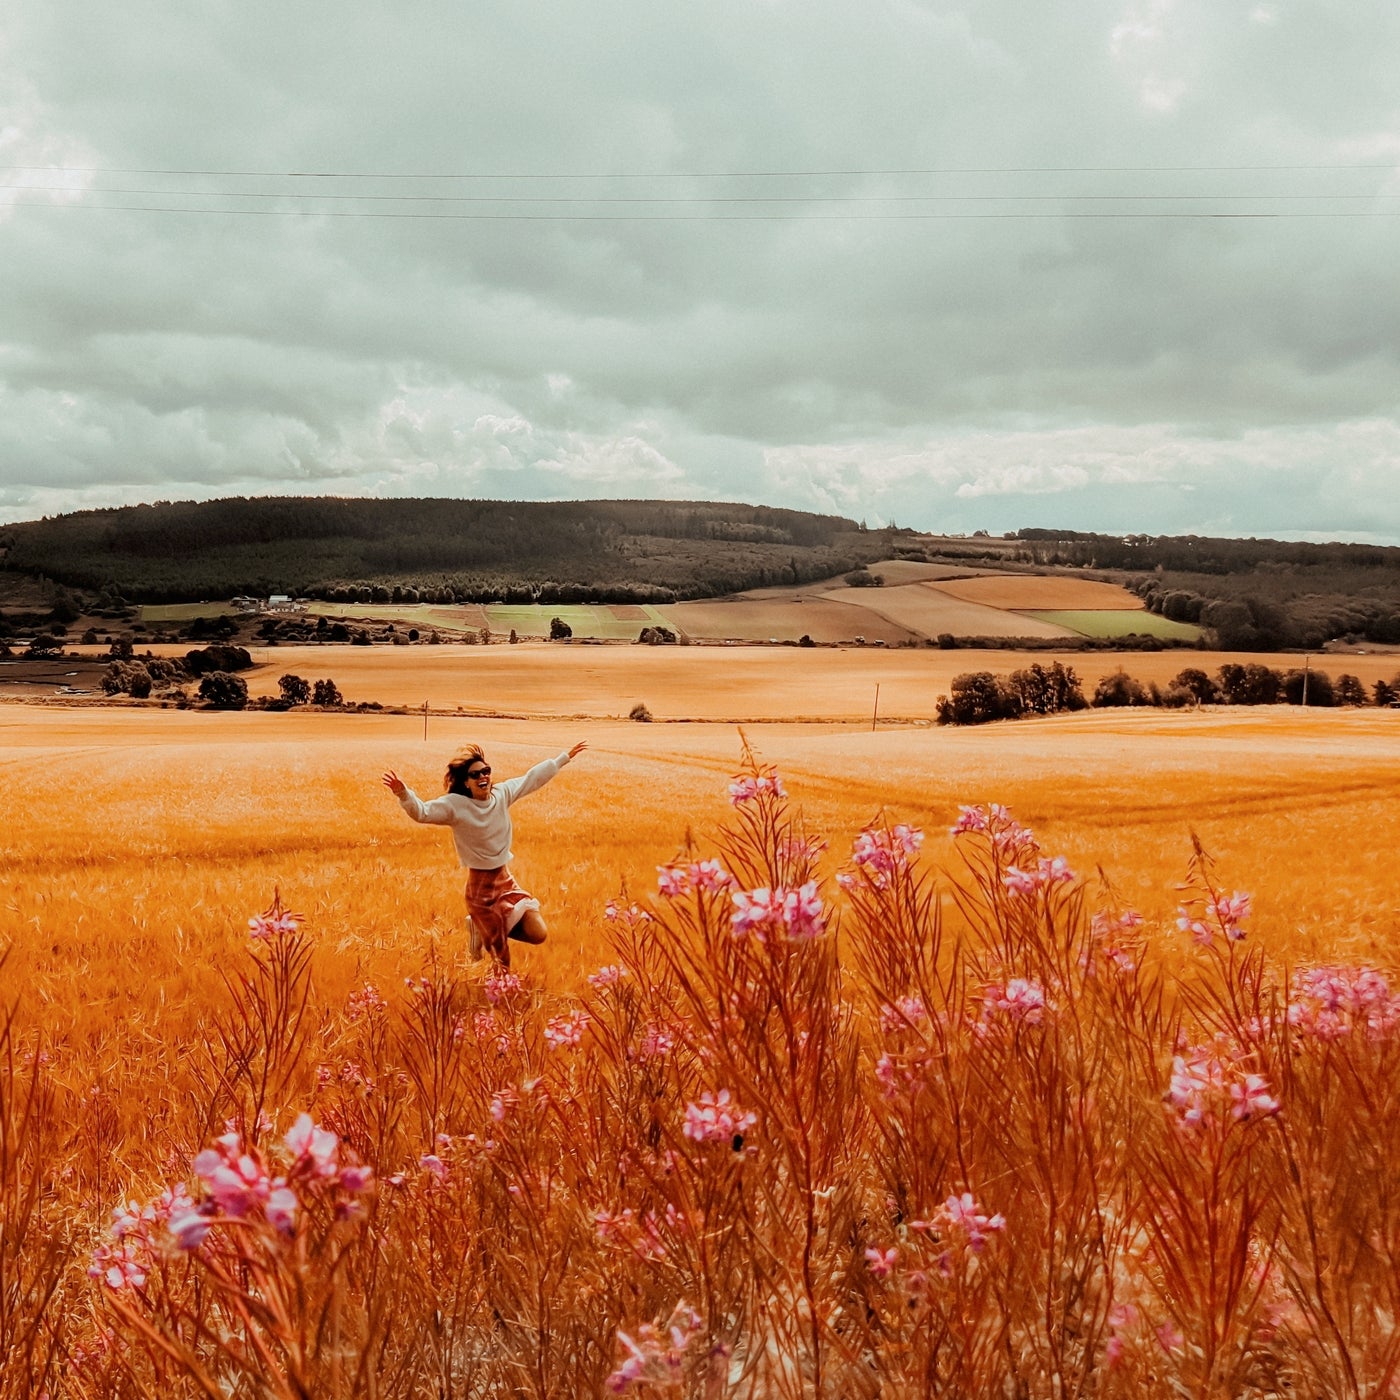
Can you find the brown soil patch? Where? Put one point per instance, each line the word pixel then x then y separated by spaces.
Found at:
pixel 1042 592
pixel 927 610
pixel 628 612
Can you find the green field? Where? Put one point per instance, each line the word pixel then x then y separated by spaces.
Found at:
pixel 1117 622
pixel 586 619
pixel 184 612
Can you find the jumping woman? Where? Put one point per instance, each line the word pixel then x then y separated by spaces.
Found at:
pixel 478 811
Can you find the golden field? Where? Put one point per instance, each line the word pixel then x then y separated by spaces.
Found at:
pixel 1110 1178
pixel 138 842
pixel 709 684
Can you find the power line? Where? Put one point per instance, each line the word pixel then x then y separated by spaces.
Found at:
pixel 695 174
pixel 709 218
pixel 695 199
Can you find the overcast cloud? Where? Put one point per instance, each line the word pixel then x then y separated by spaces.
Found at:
pixel 1008 342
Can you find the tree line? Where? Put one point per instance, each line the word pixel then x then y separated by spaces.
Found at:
pixel 442 550
pixel 978 697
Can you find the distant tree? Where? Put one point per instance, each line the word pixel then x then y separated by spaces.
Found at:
pixel 295 691
pixel 361 638
pixel 640 713
pixel 657 636
pixel 485 636
pixel 1386 692
pixel 513 638
pixel 90 637
pixel 224 691
pixel 45 644
pixel 138 681
pixel 326 694
pixel 67 607
pixel 559 630
pixel 977 698
pixel 1249 685
pixel 120 648
pixel 1118 688
pixel 217 658
pixel 1046 690
pixel 1320 690
pixel 863 578
pixel 1350 691
pixel 339 632
pixel 1198 685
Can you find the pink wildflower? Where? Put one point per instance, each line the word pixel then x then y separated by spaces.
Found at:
pixel 672 881
pixel 500 984
pixel 796 915
pixel 654 1356
pixel 281 1209
pixel 1169 1337
pixel 237 1181
pixel 608 976
pixel 906 1012
pixel 746 789
pixel 1251 1098
pixel 962 1215
pixel 656 1043
pixel 566 1032
pixel 709 876
pixel 313 1149
pixel 274 922
pixel 881 1261
pixel 717 1118
pixel 1019 1000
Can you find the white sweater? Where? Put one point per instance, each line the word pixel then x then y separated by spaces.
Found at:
pixel 481 830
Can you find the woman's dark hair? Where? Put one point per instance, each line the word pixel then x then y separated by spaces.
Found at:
pixel 455 779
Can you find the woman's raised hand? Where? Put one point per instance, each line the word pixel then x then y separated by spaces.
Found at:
pixel 394 783
pixel 578 748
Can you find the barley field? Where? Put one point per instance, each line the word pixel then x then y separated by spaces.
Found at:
pixel 838 1103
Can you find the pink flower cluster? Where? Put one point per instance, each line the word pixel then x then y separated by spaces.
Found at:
pixel 905 1014
pixel 1218 913
pixel 1046 874
pixel 632 915
pixel 717 1118
pixel 1327 1003
pixel 880 853
pixel 499 985
pixel 1207 1084
pixel 140 1233
pixel 630 1233
pixel 273 923
pixel 566 1032
pixel 1107 932
pixel 656 1043
pixel 656 1356
pixel 747 788
pixel 703 876
pixel 794 915
pixel 960 1219
pixel 366 1004
pixel 609 976
pixel 1018 1001
pixel 997 824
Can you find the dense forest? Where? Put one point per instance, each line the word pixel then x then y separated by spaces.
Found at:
pixel 1253 594
pixel 612 551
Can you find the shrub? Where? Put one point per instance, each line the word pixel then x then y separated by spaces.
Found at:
pixel 559 630
pixel 217 658
pixel 657 636
pixel 45 644
pixel 223 690
pixel 1118 688
pixel 1319 686
pixel 640 713
pixel 1198 686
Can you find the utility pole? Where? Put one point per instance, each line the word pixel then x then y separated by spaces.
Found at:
pixel 425 721
pixel 1307 662
pixel 876 713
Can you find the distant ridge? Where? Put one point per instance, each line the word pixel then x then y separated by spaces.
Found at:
pixel 470 550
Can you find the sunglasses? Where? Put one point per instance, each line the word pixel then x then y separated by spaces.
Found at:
pixel 477 774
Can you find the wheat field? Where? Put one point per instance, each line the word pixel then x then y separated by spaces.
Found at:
pixel 842 1154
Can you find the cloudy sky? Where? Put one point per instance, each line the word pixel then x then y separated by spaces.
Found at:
pixel 1117 264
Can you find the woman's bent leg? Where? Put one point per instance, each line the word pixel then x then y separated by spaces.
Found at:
pixel 531 928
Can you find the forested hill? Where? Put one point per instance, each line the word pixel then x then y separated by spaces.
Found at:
pixel 317 546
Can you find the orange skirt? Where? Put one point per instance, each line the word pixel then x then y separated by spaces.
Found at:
pixel 496 904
